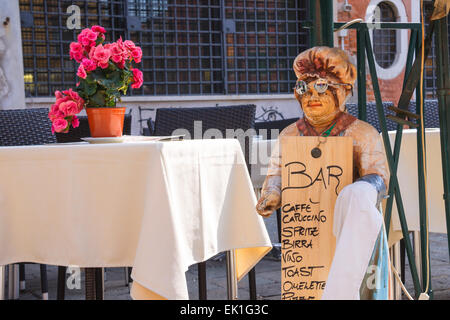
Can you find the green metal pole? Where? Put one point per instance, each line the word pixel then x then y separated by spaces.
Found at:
pixel 399 134
pixel 316 28
pixel 361 75
pixel 326 7
pixel 387 146
pixel 421 168
pixel 443 82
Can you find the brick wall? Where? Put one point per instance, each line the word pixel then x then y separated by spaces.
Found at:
pixel 390 88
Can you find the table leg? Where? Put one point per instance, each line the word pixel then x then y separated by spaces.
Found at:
pixel 252 283
pixel 13 282
pixel 99 283
pixel 202 286
pixel 89 274
pixel 2 282
pixel 232 286
pixel 61 287
pixel 22 276
pixel 395 255
pixel 417 254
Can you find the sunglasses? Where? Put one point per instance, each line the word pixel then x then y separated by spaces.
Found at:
pixel 321 86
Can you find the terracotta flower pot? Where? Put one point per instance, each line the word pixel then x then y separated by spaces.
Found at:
pixel 106 122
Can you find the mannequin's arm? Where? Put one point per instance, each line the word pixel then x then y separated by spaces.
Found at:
pixel 378 183
pixel 270 199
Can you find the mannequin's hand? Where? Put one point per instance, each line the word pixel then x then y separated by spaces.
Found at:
pixel 268 203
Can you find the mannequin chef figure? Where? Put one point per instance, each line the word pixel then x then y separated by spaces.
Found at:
pixel 325 79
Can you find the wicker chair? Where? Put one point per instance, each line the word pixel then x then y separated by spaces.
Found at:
pixel 431 112
pixel 270 125
pixel 27 127
pixel 228 117
pixel 372 115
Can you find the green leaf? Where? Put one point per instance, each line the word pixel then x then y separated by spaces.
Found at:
pixel 98 99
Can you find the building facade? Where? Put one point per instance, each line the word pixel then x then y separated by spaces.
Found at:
pixel 205 52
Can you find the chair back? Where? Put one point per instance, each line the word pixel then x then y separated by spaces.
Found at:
pixel 431 112
pixel 265 128
pixel 83 131
pixel 221 118
pixel 25 127
pixel 372 114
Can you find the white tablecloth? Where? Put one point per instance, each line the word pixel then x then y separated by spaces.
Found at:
pixel 157 206
pixel 407 176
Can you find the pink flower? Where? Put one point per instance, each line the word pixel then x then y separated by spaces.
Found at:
pixel 129 45
pixel 76 51
pixel 136 53
pixel 117 58
pixel 100 55
pixel 75 97
pixel 55 112
pixel 117 49
pixel 75 122
pixel 58 94
pixel 91 35
pixel 81 72
pixel 89 65
pixel 59 125
pixel 138 79
pixel 76 47
pixel 62 113
pixel 87 37
pixel 121 64
pixel 69 108
pixel 98 29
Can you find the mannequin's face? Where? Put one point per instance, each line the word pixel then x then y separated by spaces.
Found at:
pixel 320 107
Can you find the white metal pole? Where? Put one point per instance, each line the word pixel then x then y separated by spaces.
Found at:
pixel 2 282
pixel 397 266
pixel 232 285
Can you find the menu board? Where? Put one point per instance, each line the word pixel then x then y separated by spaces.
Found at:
pixel 314 171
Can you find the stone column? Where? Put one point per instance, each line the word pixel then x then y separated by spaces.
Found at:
pixel 12 88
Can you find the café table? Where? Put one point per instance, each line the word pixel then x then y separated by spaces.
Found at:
pixel 159 207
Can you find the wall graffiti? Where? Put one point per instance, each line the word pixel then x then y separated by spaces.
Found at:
pixel 269 114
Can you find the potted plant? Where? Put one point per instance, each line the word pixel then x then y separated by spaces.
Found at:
pixel 105 71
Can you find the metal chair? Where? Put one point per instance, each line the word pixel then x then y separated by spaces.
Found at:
pixel 220 118
pixel 141 119
pixel 27 127
pixel 94 276
pixel 149 131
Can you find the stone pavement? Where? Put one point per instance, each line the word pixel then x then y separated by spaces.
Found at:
pixel 267 278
